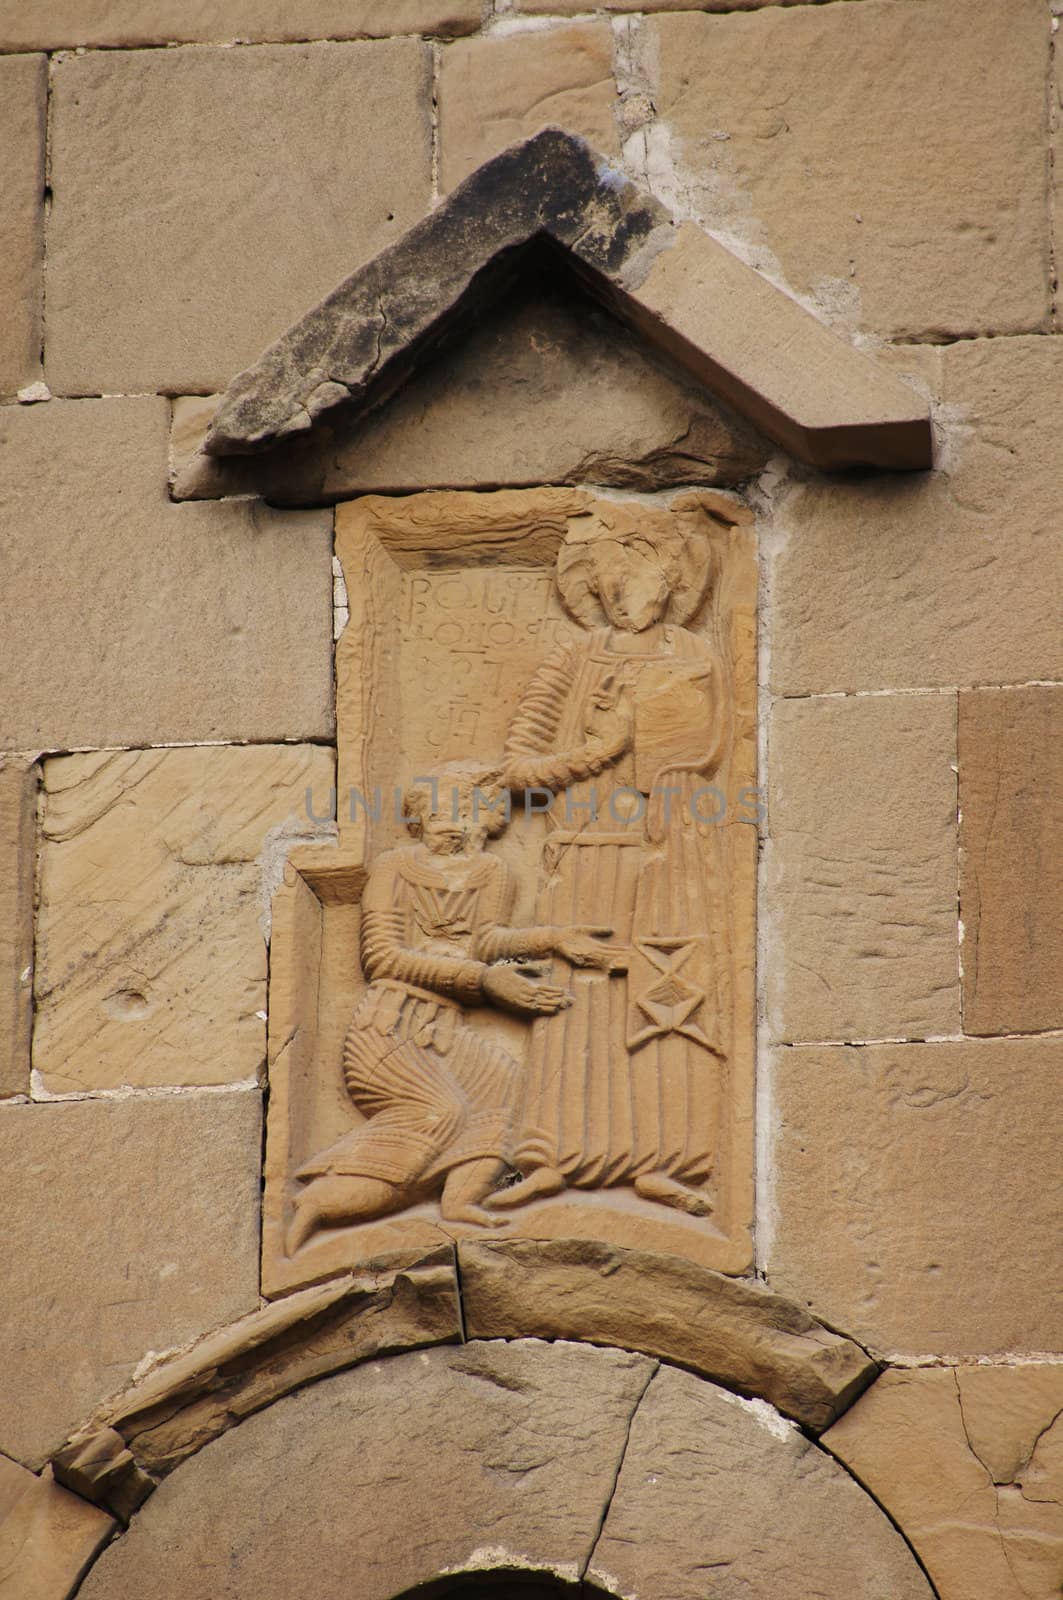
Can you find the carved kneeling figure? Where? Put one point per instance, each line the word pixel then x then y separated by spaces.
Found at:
pixel 437 1097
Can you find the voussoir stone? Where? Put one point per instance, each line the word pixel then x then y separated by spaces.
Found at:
pixel 969 1462
pixel 916 1200
pixel 157 868
pixel 23 102
pixel 861 868
pixel 131 1225
pixel 163 623
pixel 47 1536
pixel 951 579
pixel 806 130
pixel 732 1331
pixel 71 24
pixel 251 180
pixel 1011 864
pixel 18 838
pixel 443 1461
pixel 496 90
pixel 718 1495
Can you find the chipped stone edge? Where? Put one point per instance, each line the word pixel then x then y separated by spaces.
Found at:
pixel 399 1303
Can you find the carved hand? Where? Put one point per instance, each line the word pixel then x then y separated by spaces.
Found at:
pixel 517 989
pixel 578 946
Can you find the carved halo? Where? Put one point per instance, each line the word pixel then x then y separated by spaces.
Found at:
pixel 684 554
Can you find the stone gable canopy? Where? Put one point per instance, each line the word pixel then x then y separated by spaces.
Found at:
pixel 677 287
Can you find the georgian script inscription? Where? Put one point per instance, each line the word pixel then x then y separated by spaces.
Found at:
pixel 539 1016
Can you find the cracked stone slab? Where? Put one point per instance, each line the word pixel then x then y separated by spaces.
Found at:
pixel 718 1495
pixel 117 1457
pixel 130 1225
pixel 443 1461
pixel 969 1460
pixel 157 868
pixel 745 340
pixel 738 1333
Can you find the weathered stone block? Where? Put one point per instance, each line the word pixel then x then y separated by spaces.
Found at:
pixel 495 91
pixel 572 8
pixel 969 1462
pixel 162 623
pixel 18 827
pixel 916 1196
pixel 732 1331
pixel 156 875
pixel 952 579
pixel 68 24
pixel 806 131
pixel 861 868
pixel 23 103
pixel 129 1225
pixel 230 212
pixel 47 1535
pixel 547 389
pixel 1011 873
pixel 436 1462
pixel 720 1491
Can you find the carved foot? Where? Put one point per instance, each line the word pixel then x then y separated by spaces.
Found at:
pixel 670 1192
pixel 537 1185
pixel 332 1199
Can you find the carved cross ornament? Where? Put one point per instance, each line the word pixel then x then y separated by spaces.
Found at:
pixel 518 997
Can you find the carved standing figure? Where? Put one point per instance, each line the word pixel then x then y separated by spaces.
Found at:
pixel 625 726
pixel 437 1097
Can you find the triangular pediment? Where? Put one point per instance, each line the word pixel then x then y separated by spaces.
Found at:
pixel 689 297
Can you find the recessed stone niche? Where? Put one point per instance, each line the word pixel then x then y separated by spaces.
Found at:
pixel 517 999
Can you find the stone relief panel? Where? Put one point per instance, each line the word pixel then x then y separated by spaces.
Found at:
pixel 518 999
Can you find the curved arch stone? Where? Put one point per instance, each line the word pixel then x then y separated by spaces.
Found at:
pixel 721 1328
pixel 521 1456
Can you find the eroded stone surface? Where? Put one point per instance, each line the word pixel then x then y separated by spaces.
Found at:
pixel 747 342
pixel 969 1461
pixel 716 1490
pixel 23 98
pixel 163 623
pixel 18 827
pixel 1011 883
pixel 731 1331
pixel 753 111
pixel 156 874
pixel 47 1535
pixel 956 579
pixel 492 1454
pixel 548 388
pixel 130 1225
pixel 231 213
pixel 861 874
pixel 67 24
pixel 495 91
pixel 916 1197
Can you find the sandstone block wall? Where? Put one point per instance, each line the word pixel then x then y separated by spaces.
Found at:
pixel 177 190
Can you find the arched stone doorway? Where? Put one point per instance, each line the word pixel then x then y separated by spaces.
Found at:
pixel 510 1467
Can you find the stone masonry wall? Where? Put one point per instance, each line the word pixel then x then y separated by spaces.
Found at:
pixel 177 191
